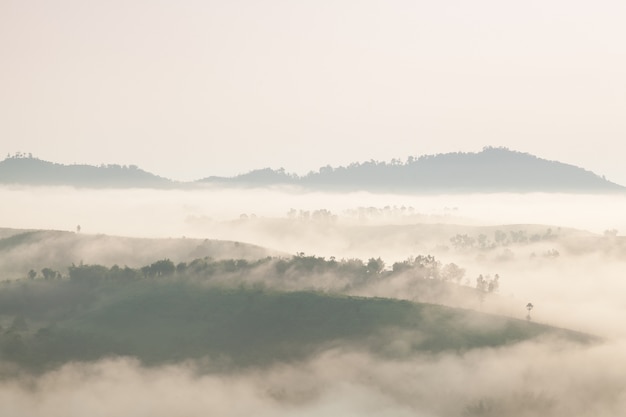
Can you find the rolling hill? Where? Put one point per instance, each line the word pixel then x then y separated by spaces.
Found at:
pixel 491 170
pixel 22 250
pixel 49 323
pixel 34 171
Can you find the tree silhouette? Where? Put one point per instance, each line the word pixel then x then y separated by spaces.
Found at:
pixel 48 273
pixel 375 266
pixel 529 307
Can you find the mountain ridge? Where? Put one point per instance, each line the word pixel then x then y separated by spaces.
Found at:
pixel 491 170
pixel 29 170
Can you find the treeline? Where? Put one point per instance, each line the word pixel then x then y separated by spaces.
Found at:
pixel 500 238
pixel 422 267
pixel 421 278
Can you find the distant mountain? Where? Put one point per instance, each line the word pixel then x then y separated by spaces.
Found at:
pixel 491 170
pixel 34 171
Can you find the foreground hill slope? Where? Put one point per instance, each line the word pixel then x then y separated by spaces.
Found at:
pixel 49 323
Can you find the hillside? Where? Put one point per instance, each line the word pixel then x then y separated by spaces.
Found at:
pixel 491 170
pixel 48 323
pixel 22 250
pixel 33 171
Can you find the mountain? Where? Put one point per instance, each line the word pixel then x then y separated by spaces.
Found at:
pixel 34 171
pixel 491 170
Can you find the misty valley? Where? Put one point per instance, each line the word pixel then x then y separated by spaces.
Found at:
pixel 354 208
pixel 282 302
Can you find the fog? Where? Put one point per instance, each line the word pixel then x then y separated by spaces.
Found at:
pixel 579 289
pixel 171 213
pixel 528 379
pixel 569 265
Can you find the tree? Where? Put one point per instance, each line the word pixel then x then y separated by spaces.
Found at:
pixel 462 241
pixel 88 273
pixel 181 267
pixel 486 284
pixel 481 283
pixel 452 272
pixel 482 241
pixel 375 266
pixel 161 268
pixel 427 267
pixel 529 307
pixel 48 273
pixel 499 236
pixel 481 287
pixel 494 284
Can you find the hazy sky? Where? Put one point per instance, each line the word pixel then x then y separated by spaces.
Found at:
pixel 193 88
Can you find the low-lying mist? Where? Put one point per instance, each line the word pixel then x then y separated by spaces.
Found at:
pixel 572 275
pixel 563 253
pixel 166 213
pixel 529 379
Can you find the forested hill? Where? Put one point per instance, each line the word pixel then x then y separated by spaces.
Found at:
pixel 205 310
pixel 27 170
pixel 491 170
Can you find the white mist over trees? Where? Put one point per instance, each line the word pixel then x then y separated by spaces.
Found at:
pixel 327 258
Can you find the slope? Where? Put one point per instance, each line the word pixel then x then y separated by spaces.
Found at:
pixel 48 323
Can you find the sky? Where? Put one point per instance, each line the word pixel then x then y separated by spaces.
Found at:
pixel 188 89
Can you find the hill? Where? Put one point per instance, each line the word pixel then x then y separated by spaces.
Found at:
pixel 33 171
pixel 491 170
pixel 49 323
pixel 22 250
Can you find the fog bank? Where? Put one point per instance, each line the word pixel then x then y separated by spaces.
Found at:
pixel 535 378
pixel 167 213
